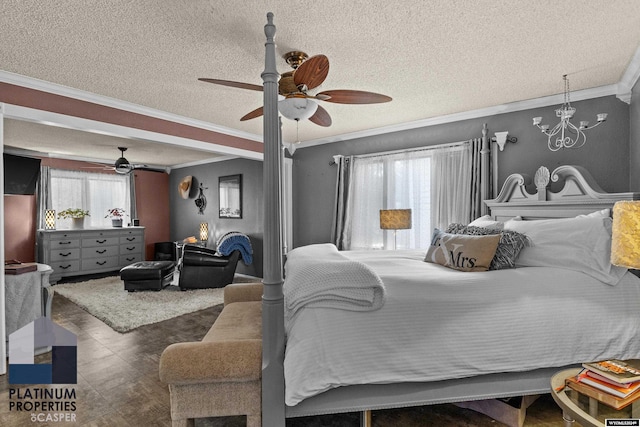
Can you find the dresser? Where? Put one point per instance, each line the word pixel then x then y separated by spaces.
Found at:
pixel 89 250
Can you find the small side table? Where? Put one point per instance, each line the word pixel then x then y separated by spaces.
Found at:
pixel 567 399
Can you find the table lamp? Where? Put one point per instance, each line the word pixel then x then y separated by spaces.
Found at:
pixel 204 232
pixel 625 240
pixel 50 219
pixel 395 219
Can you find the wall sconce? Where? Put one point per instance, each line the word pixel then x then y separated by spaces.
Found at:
pixel 395 219
pixel 625 239
pixel 50 219
pixel 204 232
pixel 502 138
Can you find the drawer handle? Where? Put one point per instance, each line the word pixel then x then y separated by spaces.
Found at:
pixel 101 262
pixel 64 243
pixel 64 267
pixel 131 248
pixel 67 254
pixel 101 252
pixel 131 239
pixel 100 241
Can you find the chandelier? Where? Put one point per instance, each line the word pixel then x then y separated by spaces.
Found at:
pixel 565 134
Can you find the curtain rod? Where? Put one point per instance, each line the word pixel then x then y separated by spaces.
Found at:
pixel 407 150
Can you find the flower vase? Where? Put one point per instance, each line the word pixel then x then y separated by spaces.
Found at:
pixel 77 223
pixel 116 222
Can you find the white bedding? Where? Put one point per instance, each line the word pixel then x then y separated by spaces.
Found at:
pixel 439 323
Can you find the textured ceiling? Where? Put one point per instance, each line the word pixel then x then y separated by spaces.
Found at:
pixel 433 57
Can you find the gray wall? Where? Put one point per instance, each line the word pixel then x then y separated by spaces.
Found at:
pixel 185 220
pixel 606 156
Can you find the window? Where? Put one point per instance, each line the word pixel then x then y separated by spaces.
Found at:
pixel 434 183
pixel 95 192
pixel 398 181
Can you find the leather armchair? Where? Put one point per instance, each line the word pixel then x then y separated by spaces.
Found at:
pixel 201 268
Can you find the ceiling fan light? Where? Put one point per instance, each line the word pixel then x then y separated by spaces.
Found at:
pixel 297 108
pixel 122 166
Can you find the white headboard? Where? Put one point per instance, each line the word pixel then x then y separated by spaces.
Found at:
pixel 580 194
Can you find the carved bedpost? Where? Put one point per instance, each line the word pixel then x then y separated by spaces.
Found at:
pixel 273 297
pixel 485 179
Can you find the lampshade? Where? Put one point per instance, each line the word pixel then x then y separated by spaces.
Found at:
pixel 395 219
pixel 50 219
pixel 204 231
pixel 625 242
pixel 297 108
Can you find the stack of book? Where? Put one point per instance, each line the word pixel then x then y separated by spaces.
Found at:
pixel 613 382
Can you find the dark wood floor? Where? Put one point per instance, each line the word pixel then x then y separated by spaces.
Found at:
pixel 118 382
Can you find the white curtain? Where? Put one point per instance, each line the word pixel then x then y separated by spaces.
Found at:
pixel 95 192
pixel 452 178
pixel 396 181
pixel 435 183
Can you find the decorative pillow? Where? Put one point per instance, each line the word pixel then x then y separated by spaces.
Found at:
pixel 511 243
pixel 604 213
pixel 461 251
pixel 581 244
pixel 486 221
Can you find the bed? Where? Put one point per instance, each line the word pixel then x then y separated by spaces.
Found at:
pixel 334 359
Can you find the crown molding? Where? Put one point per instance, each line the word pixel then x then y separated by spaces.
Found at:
pixel 206 161
pixel 37 84
pixel 629 78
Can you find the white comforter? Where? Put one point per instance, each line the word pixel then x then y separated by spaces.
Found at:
pixel 439 323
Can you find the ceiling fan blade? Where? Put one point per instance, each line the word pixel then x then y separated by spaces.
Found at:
pixel 253 114
pixel 321 117
pixel 312 72
pixel 353 97
pixel 233 84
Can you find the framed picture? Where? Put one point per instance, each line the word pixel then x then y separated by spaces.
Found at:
pixel 230 194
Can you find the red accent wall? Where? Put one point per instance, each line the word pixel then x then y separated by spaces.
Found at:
pixel 152 200
pixel 20 227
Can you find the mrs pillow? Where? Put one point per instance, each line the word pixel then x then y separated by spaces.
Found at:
pixel 581 244
pixel 511 243
pixel 462 252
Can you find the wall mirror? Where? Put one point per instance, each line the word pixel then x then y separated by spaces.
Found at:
pixel 230 194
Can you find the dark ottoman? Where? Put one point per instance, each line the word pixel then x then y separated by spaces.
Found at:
pixel 147 275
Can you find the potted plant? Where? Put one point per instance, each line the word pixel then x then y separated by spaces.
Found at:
pixel 76 215
pixel 116 215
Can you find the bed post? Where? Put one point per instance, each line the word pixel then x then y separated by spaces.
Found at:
pixel 485 170
pixel 273 297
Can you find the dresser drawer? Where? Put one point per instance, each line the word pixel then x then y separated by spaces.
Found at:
pixel 99 252
pixel 99 241
pixel 64 254
pixel 133 238
pixel 66 267
pixel 64 244
pixel 130 259
pixel 131 248
pixel 100 263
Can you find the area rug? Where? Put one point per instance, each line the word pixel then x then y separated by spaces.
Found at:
pixel 124 311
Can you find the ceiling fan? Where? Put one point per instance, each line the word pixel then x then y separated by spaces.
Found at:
pixel 294 86
pixel 122 165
